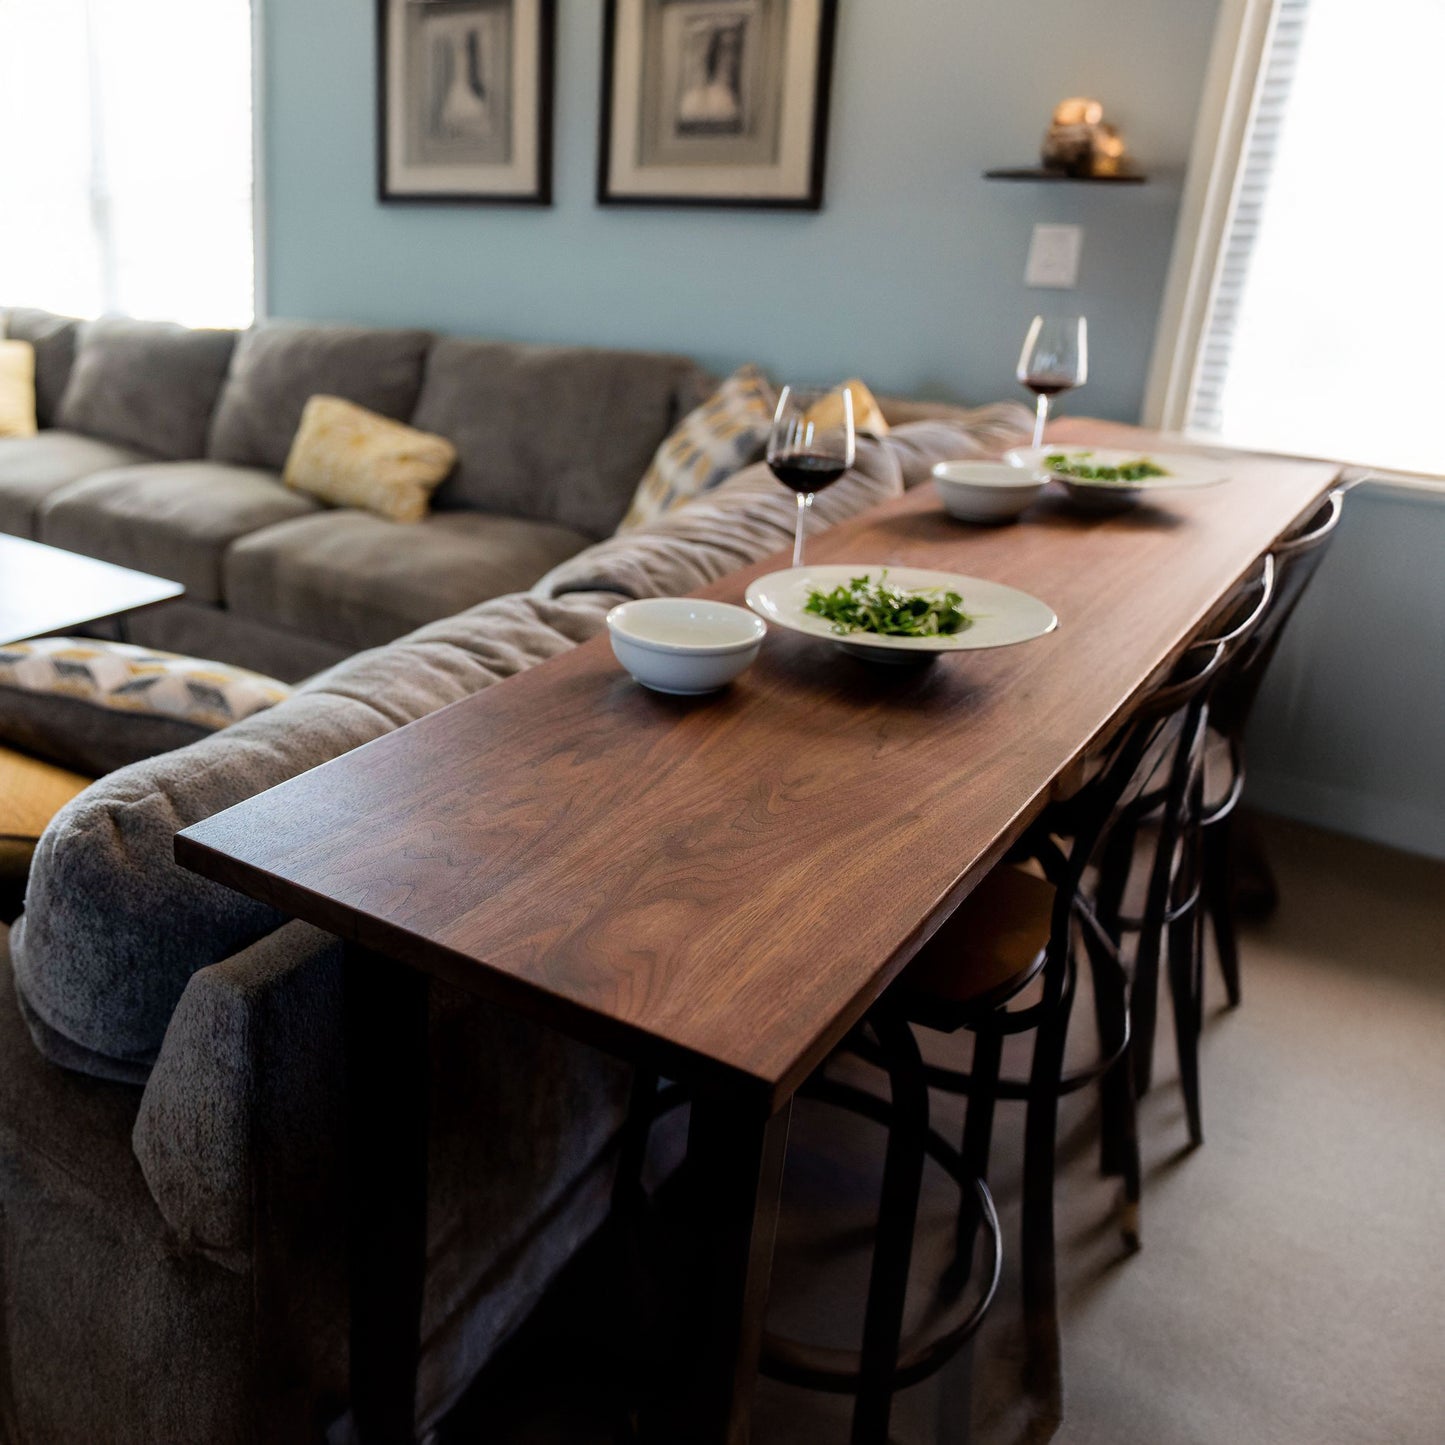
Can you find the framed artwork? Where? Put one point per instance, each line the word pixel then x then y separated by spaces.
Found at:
pixel 715 102
pixel 464 100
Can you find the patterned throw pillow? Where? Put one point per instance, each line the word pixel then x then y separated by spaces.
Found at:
pixel 17 389
pixel 727 432
pixel 95 706
pixel 351 457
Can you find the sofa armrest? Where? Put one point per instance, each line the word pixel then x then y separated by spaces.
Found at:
pixel 252 1053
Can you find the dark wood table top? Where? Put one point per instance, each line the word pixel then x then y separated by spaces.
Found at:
pixel 721 886
pixel 45 589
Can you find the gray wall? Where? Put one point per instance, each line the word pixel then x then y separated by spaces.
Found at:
pixel 1350 729
pixel 912 275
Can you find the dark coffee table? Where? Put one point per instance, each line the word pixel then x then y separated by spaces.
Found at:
pixel 44 589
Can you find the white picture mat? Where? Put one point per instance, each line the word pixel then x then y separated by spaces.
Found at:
pixel 790 179
pixel 519 177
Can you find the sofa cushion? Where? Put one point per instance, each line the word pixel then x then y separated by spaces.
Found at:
pixel 278 367
pixel 54 339
pixel 741 521
pixel 927 432
pixel 173 519
pixel 146 384
pixel 114 928
pixel 35 468
pixel 97 706
pixel 354 579
pixel 350 457
pixel 560 434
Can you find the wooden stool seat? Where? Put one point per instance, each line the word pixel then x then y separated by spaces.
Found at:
pixel 991 946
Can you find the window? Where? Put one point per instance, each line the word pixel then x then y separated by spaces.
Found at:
pixel 1325 286
pixel 125 158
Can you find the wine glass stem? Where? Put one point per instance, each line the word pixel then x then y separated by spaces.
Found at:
pixel 1041 415
pixel 803 500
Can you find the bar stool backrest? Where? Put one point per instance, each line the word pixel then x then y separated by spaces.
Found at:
pixel 1297 559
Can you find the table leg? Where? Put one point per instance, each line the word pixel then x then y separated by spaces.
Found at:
pixel 385 1019
pixel 735 1164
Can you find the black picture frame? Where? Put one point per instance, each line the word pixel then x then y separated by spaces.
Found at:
pixel 540 192
pixel 809 199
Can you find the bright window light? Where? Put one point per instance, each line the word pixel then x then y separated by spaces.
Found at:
pixel 1334 349
pixel 125 158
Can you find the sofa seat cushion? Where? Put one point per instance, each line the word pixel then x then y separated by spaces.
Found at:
pixel 173 519
pixel 35 468
pixel 150 384
pixel 358 580
pixel 279 367
pixel 557 433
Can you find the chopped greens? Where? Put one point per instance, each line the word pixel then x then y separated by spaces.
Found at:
pixel 1079 466
pixel 868 606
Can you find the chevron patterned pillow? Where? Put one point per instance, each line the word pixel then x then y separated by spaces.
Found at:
pixel 95 706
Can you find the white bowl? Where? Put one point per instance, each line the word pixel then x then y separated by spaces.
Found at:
pixel 986 491
pixel 684 645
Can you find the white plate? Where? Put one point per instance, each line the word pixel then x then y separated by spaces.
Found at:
pixel 1184 470
pixel 1003 615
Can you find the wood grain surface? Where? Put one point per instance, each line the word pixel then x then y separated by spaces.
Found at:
pixel 720 886
pixel 47 589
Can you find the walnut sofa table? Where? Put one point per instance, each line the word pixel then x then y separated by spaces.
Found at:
pixel 715 888
pixel 46 589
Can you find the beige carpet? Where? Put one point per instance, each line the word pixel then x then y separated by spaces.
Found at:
pixel 1291 1288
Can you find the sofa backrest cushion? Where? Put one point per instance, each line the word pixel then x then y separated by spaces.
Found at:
pixel 740 522
pixel 555 433
pixel 279 366
pixel 114 928
pixel 54 338
pixel 146 384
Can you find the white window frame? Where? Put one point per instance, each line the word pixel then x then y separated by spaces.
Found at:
pixel 1231 85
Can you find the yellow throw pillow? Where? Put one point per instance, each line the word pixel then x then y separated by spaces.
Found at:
pixel 710 444
pixel 32 793
pixel 868 418
pixel 351 457
pixel 17 389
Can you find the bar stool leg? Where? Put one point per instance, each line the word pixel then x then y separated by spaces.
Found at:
pixel 897 1222
pixel 977 1144
pixel 1219 884
pixel 1040 1284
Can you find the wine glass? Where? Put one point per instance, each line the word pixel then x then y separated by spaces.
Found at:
pixel 811 445
pixel 1055 359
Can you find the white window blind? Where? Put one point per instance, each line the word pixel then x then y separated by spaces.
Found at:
pixel 125 158
pixel 1322 332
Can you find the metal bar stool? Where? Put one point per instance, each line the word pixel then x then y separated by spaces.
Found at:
pixel 1016 931
pixel 1297 559
pixel 1171 924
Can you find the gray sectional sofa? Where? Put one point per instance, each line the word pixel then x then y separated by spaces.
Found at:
pixel 171 1210
pixel 161 448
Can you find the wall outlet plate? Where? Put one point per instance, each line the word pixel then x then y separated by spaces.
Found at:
pixel 1054 255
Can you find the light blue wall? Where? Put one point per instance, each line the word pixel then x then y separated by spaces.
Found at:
pixel 912 274
pixel 1349 732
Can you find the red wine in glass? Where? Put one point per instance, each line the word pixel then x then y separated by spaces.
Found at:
pixel 1054 359
pixel 811 446
pixel 806 472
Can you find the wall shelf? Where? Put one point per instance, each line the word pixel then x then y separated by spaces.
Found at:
pixel 1039 173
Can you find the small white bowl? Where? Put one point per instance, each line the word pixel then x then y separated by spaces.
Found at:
pixel 684 645
pixel 986 491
